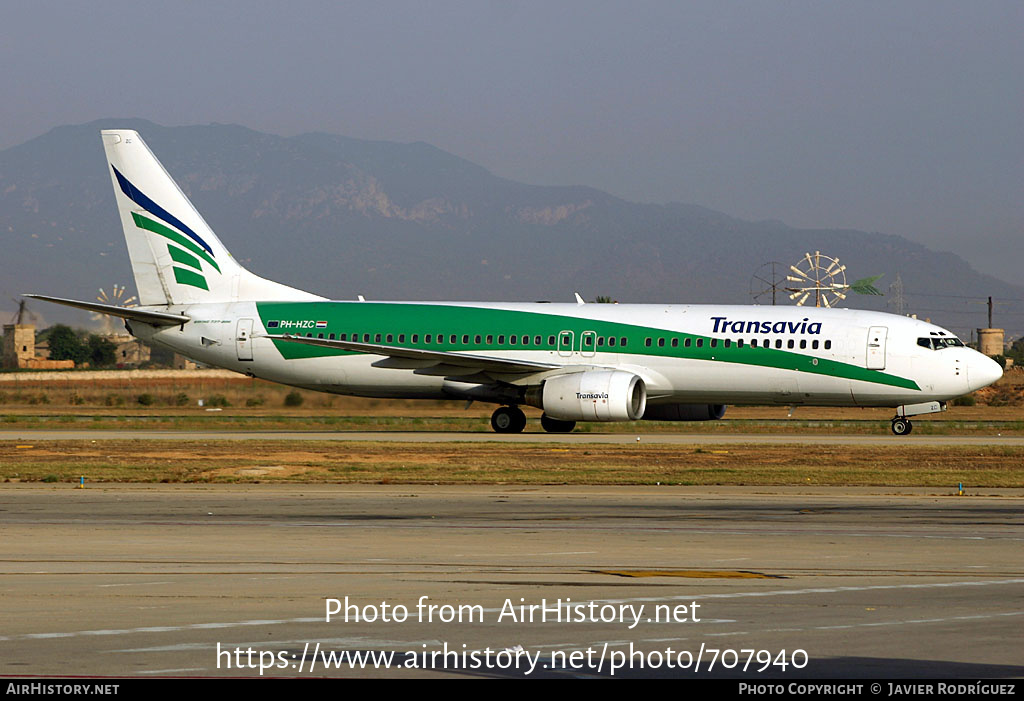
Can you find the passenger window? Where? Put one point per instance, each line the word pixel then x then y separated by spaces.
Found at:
pixel 600 341
pixel 401 338
pixel 501 340
pixel 465 339
pixel 415 338
pixel 828 345
pixel 611 340
pixel 376 338
pixel 739 343
pixel 753 343
pixel 390 338
pixel 343 337
pixel 728 343
pixel 427 338
pixel 814 344
pixel 714 342
pixel 661 343
pixel 319 335
pixel 512 340
pixel 700 342
pixel 778 343
pixel 789 343
pixel 647 342
pixel 476 339
pixel 803 343
pixel 526 340
pixel 675 342
pixel 551 341
pixel 686 342
pixel 366 338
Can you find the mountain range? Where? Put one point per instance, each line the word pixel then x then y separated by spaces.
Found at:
pixel 341 217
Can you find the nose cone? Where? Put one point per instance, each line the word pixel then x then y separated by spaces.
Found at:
pixel 982 371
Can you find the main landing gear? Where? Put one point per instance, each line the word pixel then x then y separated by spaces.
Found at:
pixel 511 419
pixel 901 426
pixel 508 419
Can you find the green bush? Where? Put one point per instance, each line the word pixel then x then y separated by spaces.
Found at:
pixel 181 399
pixel 145 399
pixel 218 400
pixel 293 398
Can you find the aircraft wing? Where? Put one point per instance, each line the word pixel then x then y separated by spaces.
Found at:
pixel 465 361
pixel 130 313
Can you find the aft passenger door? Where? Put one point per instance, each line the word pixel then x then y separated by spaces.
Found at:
pixel 876 347
pixel 243 339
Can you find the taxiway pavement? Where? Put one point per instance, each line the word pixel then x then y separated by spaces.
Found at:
pixel 148 580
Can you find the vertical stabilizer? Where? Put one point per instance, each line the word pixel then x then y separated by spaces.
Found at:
pixel 176 257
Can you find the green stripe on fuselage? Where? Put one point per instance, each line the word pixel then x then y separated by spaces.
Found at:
pixel 422 319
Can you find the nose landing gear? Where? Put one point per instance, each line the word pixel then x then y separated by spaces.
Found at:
pixel 508 419
pixel 902 426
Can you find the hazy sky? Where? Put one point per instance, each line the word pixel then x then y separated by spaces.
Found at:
pixel 900 117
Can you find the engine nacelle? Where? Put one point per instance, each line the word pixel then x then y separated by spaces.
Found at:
pixel 684 412
pixel 594 395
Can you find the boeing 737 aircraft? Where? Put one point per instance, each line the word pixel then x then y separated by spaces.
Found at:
pixel 576 362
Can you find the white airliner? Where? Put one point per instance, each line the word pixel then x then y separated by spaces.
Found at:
pixel 576 362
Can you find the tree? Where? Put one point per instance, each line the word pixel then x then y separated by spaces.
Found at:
pixel 101 352
pixel 66 345
pixel 1017 352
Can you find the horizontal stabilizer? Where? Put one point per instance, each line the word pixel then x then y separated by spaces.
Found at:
pixel 460 360
pixel 141 315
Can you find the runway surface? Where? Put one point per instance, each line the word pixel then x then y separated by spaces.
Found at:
pixel 454 437
pixel 133 580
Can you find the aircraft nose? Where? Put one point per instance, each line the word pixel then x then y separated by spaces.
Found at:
pixel 982 371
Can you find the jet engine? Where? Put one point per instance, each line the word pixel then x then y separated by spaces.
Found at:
pixel 594 395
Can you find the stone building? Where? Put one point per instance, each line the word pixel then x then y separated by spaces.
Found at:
pixel 19 350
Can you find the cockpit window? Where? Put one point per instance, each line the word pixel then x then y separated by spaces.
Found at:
pixel 939 343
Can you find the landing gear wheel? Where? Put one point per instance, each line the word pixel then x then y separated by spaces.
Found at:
pixel 556 426
pixel 902 427
pixel 508 419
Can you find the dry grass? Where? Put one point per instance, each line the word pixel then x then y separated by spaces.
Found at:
pixel 492 463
